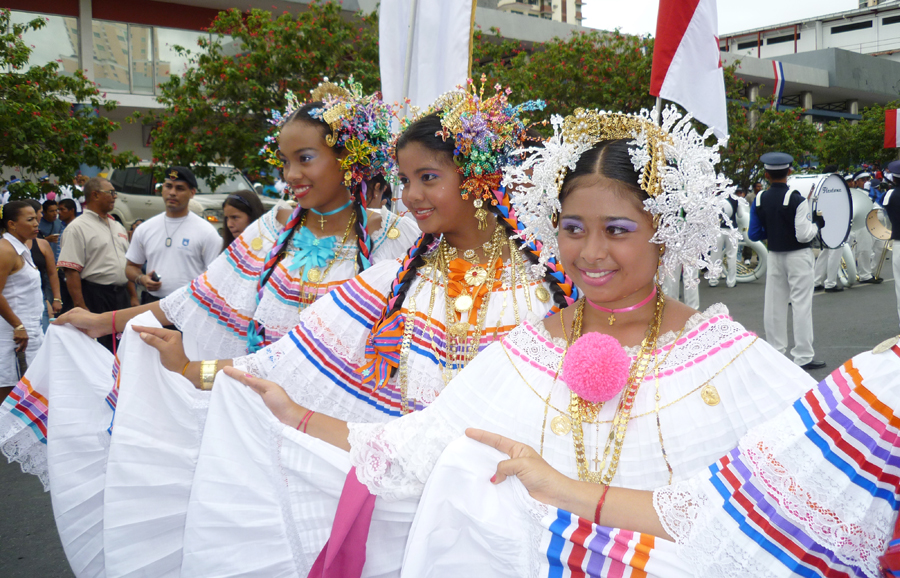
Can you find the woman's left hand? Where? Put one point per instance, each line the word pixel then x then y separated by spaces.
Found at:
pixel 273 395
pixel 168 343
pixel 543 482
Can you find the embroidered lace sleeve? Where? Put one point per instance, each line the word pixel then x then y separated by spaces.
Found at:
pixel 802 480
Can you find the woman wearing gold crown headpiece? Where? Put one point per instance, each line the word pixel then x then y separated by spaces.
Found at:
pixel 383 345
pixel 693 382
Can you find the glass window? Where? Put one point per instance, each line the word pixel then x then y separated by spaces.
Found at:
pixel 137 181
pixel 235 181
pixel 141 65
pixel 111 56
pixel 168 61
pixel 55 42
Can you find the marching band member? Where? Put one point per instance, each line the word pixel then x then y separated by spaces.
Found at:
pixel 782 216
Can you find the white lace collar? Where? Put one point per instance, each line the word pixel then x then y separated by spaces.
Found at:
pixel 697 319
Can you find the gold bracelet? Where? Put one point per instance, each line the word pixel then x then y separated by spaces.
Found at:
pixel 208 371
pixel 19 327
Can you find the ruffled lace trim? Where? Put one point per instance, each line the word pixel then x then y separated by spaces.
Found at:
pixel 21 446
pixel 678 506
pixel 703 335
pixel 665 340
pixel 385 465
pixel 856 528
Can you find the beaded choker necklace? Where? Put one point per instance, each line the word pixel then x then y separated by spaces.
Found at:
pixel 329 213
pixel 612 312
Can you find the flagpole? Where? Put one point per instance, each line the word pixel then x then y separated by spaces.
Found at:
pixel 410 37
pixel 658 110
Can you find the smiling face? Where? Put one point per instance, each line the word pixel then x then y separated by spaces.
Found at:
pixel 604 242
pixel 431 192
pixel 311 167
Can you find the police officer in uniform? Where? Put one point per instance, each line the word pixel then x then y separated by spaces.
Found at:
pixel 891 204
pixel 783 217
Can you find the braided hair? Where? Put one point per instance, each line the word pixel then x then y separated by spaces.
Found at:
pixel 303 114
pixel 423 132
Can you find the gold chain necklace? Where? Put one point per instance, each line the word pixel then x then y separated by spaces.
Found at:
pixel 582 410
pixel 315 276
pixel 455 357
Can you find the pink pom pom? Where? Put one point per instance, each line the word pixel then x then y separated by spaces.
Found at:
pixel 596 367
pixel 51 196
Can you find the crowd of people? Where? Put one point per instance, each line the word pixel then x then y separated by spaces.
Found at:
pixel 343 391
pixel 84 257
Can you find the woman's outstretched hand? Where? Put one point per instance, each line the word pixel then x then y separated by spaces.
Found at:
pixel 543 483
pixel 168 343
pixel 273 395
pixel 93 324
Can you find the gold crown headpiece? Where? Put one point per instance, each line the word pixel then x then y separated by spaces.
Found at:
pixel 588 127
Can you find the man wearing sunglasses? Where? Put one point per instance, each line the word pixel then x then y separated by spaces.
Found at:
pixel 93 255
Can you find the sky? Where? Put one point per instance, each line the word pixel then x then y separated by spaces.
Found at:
pixel 639 16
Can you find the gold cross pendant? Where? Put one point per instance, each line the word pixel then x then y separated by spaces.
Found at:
pixel 612 318
pixel 322 224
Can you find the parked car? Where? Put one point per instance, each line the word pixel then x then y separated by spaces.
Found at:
pixel 139 194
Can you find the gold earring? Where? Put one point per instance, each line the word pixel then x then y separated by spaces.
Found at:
pixel 481 214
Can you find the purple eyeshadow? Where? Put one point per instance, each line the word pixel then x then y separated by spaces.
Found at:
pixel 626 224
pixel 565 223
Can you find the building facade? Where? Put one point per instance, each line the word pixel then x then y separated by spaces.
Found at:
pixel 833 65
pixel 130 47
pixel 568 11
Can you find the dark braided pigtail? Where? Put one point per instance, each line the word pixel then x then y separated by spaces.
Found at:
pixel 383 344
pixel 363 240
pixel 256 335
pixel 562 290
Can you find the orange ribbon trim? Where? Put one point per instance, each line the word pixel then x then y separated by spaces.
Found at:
pixel 456 286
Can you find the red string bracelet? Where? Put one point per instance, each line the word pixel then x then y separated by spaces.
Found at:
pixel 114 333
pixel 305 421
pixel 600 505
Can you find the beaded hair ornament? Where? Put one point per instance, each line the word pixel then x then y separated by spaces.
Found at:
pixel 676 169
pixel 487 132
pixel 360 125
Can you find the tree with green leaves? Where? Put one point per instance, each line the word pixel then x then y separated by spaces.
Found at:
pixel 43 134
pixel 592 69
pixel 218 111
pixel 850 145
pixel 775 130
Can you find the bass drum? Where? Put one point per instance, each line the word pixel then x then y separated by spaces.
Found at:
pixel 830 196
pixel 751 255
pixel 862 204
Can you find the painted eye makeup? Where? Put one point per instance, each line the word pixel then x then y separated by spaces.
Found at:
pixel 624 225
pixel 570 225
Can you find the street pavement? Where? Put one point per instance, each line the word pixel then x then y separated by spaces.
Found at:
pixel 845 324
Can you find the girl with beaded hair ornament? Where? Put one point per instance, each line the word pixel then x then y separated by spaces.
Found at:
pixel 250 296
pixel 380 346
pixel 621 200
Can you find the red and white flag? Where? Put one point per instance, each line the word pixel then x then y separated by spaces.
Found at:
pixel 686 64
pixel 891 129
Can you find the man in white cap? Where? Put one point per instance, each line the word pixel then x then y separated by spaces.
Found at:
pixel 891 204
pixel 782 216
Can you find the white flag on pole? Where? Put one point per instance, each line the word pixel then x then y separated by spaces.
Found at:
pixel 440 48
pixel 687 68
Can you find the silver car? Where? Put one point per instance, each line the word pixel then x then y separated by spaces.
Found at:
pixel 139 194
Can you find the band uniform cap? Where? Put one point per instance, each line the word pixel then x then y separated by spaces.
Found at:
pixel 862 175
pixel 776 161
pixel 894 168
pixel 182 174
